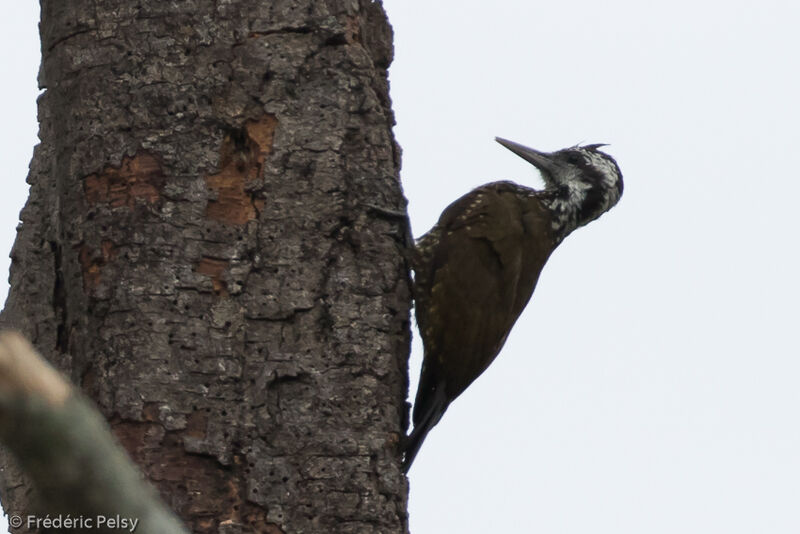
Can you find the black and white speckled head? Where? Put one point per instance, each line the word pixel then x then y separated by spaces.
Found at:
pixel 581 183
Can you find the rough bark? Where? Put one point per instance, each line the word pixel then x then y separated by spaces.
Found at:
pixel 209 251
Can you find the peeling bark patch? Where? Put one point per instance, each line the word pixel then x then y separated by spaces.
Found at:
pixel 92 262
pixel 139 177
pixel 196 425
pixel 353 26
pixel 241 161
pixel 262 132
pixel 137 437
pixel 214 269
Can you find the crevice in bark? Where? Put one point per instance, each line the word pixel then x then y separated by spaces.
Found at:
pixel 59 301
pixel 300 31
pixel 68 37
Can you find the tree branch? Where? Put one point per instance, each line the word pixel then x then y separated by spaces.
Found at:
pixel 66 447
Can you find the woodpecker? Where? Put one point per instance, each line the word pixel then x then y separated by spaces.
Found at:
pixel 476 269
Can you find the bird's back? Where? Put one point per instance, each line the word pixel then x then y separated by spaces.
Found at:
pixel 474 273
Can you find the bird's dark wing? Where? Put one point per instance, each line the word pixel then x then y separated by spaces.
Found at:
pixel 464 323
pixel 474 273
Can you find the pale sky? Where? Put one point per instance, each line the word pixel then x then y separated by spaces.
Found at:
pixel 653 383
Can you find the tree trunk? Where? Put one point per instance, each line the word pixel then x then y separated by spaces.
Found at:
pixel 212 251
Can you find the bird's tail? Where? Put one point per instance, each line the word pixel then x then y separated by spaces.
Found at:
pixel 433 411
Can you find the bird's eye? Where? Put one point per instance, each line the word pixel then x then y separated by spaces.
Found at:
pixel 573 158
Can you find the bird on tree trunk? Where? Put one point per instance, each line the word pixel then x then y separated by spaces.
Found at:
pixel 476 269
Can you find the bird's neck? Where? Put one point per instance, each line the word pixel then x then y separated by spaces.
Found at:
pixel 565 204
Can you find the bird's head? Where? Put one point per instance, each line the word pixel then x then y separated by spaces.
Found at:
pixel 581 182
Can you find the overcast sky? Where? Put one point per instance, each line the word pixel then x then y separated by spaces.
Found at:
pixel 652 385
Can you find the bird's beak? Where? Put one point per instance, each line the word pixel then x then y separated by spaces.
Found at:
pixel 541 160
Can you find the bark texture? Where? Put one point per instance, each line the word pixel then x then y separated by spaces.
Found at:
pixel 208 250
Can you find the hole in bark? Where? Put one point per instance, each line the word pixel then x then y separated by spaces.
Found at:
pixel 335 40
